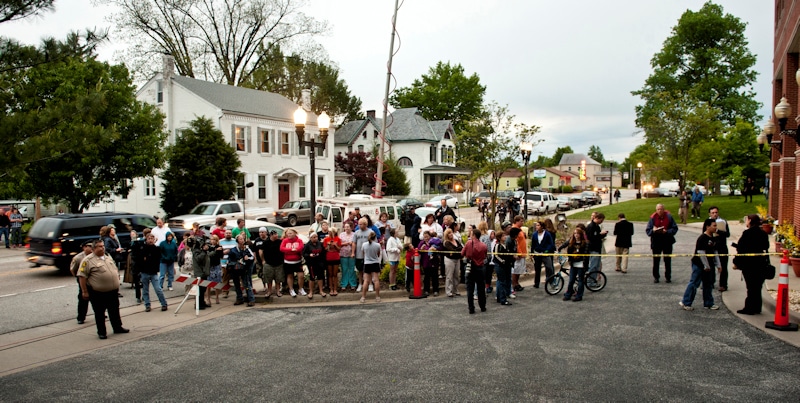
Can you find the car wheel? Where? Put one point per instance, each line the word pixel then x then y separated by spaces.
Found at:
pixel 292 221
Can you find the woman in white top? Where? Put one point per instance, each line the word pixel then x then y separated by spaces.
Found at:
pixel 430 224
pixel 393 248
pixel 372 267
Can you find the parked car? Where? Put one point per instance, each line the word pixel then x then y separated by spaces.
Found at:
pixel 336 210
pixel 725 190
pixel 589 198
pixel 452 201
pixel 293 212
pixel 55 240
pixel 567 203
pixel 664 192
pixel 207 213
pixel 601 189
pixel 253 226
pixel 477 198
pixel 409 202
pixel 541 203
pixel 423 212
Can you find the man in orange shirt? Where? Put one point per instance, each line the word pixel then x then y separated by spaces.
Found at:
pixel 521 246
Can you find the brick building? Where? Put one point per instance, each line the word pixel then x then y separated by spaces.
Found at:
pixel 784 195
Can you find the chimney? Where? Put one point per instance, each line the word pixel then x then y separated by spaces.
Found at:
pixel 305 99
pixel 371 114
pixel 168 66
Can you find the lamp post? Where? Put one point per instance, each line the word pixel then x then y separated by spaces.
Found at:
pixel 525 148
pixel 323 122
pixel 639 167
pixel 611 184
pixel 244 199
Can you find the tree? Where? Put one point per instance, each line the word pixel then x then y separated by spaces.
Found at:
pixel 361 166
pixel 706 55
pixel 397 183
pixel 187 182
pixel 596 154
pixel 11 10
pixel 290 75
pixel 560 151
pixel 93 135
pixel 445 93
pixel 501 138
pixel 217 40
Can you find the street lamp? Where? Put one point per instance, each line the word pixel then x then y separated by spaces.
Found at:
pixel 611 184
pixel 525 148
pixel 639 166
pixel 244 199
pixel 323 122
pixel 782 111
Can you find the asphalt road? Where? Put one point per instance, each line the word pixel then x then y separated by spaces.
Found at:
pixel 629 342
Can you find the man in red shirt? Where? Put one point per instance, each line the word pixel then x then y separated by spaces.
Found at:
pixel 475 252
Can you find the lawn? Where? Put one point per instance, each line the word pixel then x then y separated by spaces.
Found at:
pixel 731 208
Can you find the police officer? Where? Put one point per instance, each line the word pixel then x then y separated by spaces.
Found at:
pixel 99 281
pixel 83 305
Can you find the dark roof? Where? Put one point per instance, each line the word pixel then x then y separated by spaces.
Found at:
pixel 404 125
pixel 243 100
pixel 575 159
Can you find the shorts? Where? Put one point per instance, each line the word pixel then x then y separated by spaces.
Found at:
pixel 334 262
pixel 216 274
pixel 317 272
pixel 273 273
pixel 359 264
pixel 372 268
pixel 519 267
pixel 292 267
pixel 394 263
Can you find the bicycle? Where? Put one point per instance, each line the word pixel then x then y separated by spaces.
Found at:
pixel 594 281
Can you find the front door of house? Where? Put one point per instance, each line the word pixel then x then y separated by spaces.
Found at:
pixel 283 194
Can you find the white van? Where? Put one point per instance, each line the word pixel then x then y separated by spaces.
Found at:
pixel 336 210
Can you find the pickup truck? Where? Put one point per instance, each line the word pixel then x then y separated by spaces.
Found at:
pixel 207 213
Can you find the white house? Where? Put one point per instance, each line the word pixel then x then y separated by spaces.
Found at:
pixel 425 150
pixel 595 174
pixel 259 125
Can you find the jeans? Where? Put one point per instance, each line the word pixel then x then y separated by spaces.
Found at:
pixel 575 274
pixel 476 278
pixel 146 280
pixel 537 268
pixel 658 250
pixel 166 270
pixel 349 272
pixel 707 278
pixel 243 278
pixel 594 262
pixel 16 235
pixel 4 231
pixel 503 282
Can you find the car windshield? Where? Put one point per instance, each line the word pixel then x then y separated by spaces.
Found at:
pixel 204 209
pixel 291 204
pixel 563 198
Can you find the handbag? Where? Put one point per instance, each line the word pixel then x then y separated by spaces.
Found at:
pixel 769 269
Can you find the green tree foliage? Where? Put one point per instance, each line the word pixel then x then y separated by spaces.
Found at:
pixel 202 167
pixel 79 131
pixel 705 56
pixel 596 154
pixel 445 93
pixel 560 151
pixel 11 10
pixel 215 40
pixel 397 183
pixel 290 75
pixel 501 138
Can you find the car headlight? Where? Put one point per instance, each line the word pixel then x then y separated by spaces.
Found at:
pixel 187 225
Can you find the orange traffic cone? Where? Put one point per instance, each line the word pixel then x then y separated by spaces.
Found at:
pixel 417 278
pixel 782 303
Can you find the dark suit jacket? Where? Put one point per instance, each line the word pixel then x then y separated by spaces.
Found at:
pixel 623 229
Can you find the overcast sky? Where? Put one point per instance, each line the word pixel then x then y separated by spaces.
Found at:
pixel 565 66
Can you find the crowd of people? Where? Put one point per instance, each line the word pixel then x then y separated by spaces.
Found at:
pixel 352 260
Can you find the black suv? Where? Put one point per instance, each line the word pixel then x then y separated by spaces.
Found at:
pixel 55 240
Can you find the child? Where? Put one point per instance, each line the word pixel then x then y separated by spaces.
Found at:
pixel 409 249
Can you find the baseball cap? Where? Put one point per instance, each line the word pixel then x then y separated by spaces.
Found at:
pixel 111 226
pixel 505 224
pixel 262 229
pixel 87 243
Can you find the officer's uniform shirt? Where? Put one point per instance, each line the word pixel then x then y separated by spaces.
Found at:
pixel 100 272
pixel 76 263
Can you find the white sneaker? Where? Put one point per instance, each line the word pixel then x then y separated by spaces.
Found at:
pixel 713 307
pixel 686 307
pixel 303 292
pixel 475 297
pixel 371 288
pixel 170 288
pixel 292 293
pixel 359 288
pixel 513 296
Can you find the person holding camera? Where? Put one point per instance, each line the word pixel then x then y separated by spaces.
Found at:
pixel 662 229
pixel 202 251
pixel 240 265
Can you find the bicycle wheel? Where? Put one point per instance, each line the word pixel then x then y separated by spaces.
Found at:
pixel 595 281
pixel 554 284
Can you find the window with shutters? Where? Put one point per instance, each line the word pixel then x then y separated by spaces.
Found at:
pixel 150 187
pixel 264 138
pixel 262 187
pixel 301 187
pixel 285 139
pixel 239 136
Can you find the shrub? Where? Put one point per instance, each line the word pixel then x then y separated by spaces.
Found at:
pixel 401 272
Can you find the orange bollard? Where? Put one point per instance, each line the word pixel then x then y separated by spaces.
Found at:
pixel 417 278
pixel 782 303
